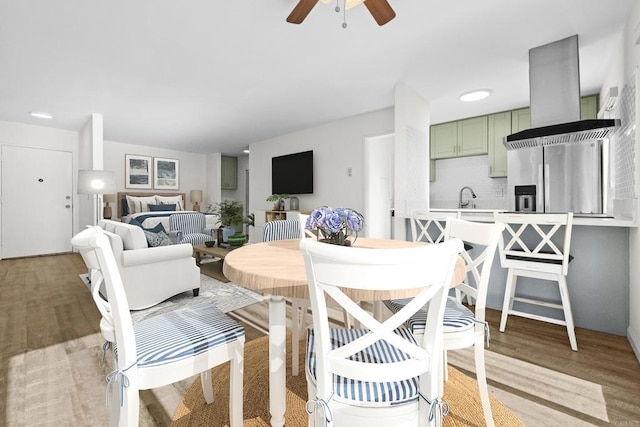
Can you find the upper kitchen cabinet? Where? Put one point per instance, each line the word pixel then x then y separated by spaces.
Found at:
pixel 229 173
pixel 589 107
pixel 444 140
pixel 499 127
pixel 462 138
pixel 520 120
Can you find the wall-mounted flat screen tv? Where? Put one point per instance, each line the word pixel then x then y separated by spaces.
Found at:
pixel 292 174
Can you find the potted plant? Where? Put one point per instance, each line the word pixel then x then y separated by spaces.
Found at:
pixel 229 214
pixel 250 221
pixel 279 201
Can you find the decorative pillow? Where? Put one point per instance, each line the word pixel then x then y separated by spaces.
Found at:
pixel 156 229
pixel 170 200
pixel 156 208
pixel 157 239
pixel 125 206
pixel 139 204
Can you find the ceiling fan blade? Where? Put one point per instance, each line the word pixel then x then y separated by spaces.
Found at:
pixel 380 10
pixel 301 11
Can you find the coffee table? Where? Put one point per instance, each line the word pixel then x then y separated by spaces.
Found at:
pixel 212 269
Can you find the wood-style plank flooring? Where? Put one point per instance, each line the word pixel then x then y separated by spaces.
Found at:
pixel 53 371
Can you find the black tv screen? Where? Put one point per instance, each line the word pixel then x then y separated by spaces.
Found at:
pixel 292 174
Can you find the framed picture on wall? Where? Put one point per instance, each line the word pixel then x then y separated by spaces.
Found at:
pixel 166 174
pixel 137 170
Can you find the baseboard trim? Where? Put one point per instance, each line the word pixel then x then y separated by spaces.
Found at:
pixel 634 340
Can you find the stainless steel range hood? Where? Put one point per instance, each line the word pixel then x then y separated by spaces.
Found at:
pixel 554 86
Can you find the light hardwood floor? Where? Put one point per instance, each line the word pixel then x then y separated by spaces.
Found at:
pixel 53 371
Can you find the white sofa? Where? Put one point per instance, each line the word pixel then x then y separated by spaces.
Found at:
pixel 150 274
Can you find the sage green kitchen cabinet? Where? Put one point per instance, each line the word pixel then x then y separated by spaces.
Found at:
pixel 461 138
pixel 499 127
pixel 443 140
pixel 520 120
pixel 229 173
pixel 589 107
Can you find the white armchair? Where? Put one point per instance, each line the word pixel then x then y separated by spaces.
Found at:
pixel 150 274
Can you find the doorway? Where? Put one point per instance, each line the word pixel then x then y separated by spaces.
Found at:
pixel 37 201
pixel 378 185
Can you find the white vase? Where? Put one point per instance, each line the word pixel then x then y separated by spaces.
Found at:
pixel 228 231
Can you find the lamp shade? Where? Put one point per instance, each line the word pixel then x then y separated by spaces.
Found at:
pixel 196 195
pixel 109 198
pixel 96 182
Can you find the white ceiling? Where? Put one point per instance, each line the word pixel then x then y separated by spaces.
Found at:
pixel 215 76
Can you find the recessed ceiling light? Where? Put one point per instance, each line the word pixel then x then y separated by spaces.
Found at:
pixel 476 95
pixel 41 115
pixel 245 151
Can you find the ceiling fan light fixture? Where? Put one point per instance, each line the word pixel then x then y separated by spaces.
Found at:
pixel 475 95
pixel 380 10
pixel 352 3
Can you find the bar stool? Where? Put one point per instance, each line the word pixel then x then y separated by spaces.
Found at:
pixel 548 260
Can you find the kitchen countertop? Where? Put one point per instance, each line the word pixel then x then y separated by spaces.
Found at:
pixel 486 215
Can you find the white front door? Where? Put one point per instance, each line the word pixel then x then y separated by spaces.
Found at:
pixel 37 201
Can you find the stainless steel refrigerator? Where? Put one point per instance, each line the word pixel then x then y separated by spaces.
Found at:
pixel 557 178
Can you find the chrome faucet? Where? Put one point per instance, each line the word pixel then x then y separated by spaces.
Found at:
pixel 465 204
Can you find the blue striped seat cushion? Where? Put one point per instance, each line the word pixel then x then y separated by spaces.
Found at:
pixel 183 333
pixel 196 238
pixel 457 317
pixel 360 392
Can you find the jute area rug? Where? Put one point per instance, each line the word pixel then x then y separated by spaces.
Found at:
pixel 460 392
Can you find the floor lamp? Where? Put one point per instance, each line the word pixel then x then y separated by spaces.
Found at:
pixel 95 183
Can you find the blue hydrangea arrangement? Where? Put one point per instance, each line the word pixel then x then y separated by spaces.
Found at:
pixel 335 225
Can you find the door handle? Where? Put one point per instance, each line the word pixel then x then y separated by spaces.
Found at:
pixel 547 189
pixel 68 206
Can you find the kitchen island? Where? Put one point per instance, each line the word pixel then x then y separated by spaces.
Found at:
pixel 598 278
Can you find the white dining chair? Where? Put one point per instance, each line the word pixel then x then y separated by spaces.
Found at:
pixel 293 229
pixel 163 349
pixel 379 375
pixel 282 230
pixel 537 246
pixel 428 226
pixel 304 232
pixel 462 327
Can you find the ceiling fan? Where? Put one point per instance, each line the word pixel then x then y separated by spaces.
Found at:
pixel 379 9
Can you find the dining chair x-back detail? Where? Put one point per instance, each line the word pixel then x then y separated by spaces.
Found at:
pixel 379 375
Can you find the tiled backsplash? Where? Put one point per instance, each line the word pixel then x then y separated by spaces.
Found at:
pixel 453 174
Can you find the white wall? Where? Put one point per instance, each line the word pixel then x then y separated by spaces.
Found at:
pixel 193 167
pixel 91 154
pixel 337 146
pixel 622 67
pixel 411 158
pixel 631 65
